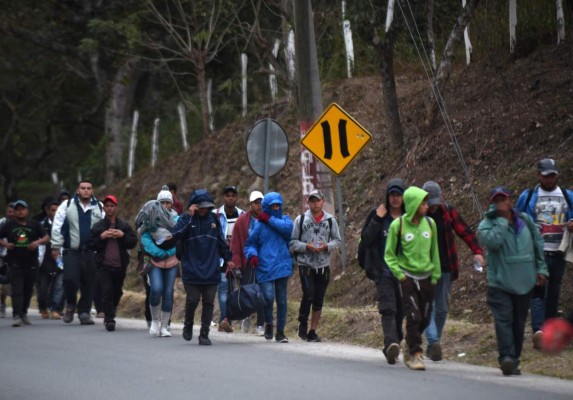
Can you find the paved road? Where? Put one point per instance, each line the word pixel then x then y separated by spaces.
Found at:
pixel 53 360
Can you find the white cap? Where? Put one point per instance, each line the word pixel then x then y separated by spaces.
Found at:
pixel 165 195
pixel 255 195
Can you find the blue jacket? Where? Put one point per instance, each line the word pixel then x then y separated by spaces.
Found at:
pixel 529 209
pixel 203 244
pixel 270 242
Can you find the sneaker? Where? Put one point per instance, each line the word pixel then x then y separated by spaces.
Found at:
pixel 100 315
pixel 435 352
pixel 55 315
pixel 507 366
pixel 280 337
pixel 2 310
pixel 416 362
pixel 110 326
pixel 69 314
pixel 154 329
pixel 86 319
pixel 246 325
pixel 405 351
pixel 17 322
pixel 25 319
pixel 164 332
pixel 204 340
pixel 45 314
pixel 312 336
pixel 225 326
pixel 260 331
pixel 392 353
pixel 302 331
pixel 537 338
pixel 188 332
pixel 269 331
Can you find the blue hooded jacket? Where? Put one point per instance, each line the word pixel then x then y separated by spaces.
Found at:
pixel 270 242
pixel 203 244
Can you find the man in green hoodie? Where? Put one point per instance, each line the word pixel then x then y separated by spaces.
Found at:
pixel 413 257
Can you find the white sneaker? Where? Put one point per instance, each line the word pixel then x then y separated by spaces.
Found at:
pixel 260 331
pixel 246 325
pixel 165 331
pixel 154 329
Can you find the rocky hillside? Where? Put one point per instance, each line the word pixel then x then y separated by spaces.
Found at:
pixel 506 112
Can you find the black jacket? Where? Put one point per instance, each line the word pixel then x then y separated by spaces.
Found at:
pixel 374 235
pixel 127 242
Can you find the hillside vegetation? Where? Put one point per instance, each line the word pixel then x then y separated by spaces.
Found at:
pixel 507 113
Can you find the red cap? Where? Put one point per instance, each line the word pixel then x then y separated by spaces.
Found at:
pixel 110 198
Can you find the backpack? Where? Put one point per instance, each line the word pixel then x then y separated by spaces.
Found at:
pixel 530 195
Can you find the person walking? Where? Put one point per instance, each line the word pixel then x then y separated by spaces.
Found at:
pixel 374 234
pixel 70 231
pixel 227 214
pixel 23 238
pixel 516 264
pixel 551 207
pixel 111 239
pixel 315 236
pixel 243 227
pixel 413 258
pixel 267 251
pixel 5 287
pixel 202 244
pixel 448 221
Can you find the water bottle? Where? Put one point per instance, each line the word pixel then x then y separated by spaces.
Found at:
pixel 60 262
pixel 477 266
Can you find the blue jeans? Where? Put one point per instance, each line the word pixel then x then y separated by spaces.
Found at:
pixel 57 298
pixel 439 309
pixel 222 294
pixel 162 281
pixel 545 299
pixel 278 289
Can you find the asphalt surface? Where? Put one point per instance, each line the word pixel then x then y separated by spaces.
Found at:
pixel 52 360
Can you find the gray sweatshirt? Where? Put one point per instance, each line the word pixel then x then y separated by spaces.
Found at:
pixel 312 231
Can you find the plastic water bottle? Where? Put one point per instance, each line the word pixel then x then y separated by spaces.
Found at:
pixel 477 266
pixel 60 262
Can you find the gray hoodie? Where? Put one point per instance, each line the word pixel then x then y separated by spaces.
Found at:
pixel 312 231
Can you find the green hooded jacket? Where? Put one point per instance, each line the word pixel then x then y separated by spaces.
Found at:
pixel 419 256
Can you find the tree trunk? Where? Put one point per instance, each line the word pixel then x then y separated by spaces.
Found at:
pixel 430 34
pixel 199 65
pixel 117 116
pixel 445 69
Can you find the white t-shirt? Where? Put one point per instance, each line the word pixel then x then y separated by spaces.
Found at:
pixel 551 210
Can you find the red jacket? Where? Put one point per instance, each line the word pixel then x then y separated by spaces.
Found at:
pixel 239 238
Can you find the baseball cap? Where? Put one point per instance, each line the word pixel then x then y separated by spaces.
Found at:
pixel 547 166
pixel 111 198
pixel 434 193
pixel 499 191
pixel 315 193
pixel 230 189
pixel 20 203
pixel 255 195
pixel 206 204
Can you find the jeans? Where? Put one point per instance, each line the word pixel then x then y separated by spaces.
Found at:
pixel 79 273
pixel 162 281
pixel 223 293
pixel 545 299
pixel 110 280
pixel 271 290
pixel 57 293
pixel 22 281
pixel 439 309
pixel 46 281
pixel 509 312
pixel 391 309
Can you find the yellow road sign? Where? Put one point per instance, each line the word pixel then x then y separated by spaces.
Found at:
pixel 336 138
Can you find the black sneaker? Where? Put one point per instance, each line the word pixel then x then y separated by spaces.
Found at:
pixel 69 314
pixel 313 337
pixel 204 340
pixel 392 353
pixel 85 319
pixel 110 326
pixel 269 331
pixel 188 332
pixel 302 331
pixel 507 366
pixel 280 337
pixel 435 352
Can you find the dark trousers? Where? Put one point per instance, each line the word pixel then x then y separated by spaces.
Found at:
pixel 205 293
pixel 509 312
pixel 390 309
pixel 45 282
pixel 417 299
pixel 314 284
pixel 22 281
pixel 545 299
pixel 79 274
pixel 147 287
pixel 110 280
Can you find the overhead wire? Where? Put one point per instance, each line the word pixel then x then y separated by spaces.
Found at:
pixel 441 103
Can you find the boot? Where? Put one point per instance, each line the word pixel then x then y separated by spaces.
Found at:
pixel 165 325
pixel 155 320
pixel 188 331
pixel 204 337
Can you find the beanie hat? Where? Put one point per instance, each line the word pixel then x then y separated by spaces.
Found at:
pixel 165 195
pixel 434 193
